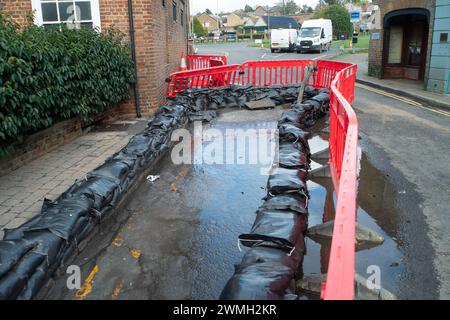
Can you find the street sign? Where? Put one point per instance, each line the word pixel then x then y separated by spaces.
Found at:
pixel 355 16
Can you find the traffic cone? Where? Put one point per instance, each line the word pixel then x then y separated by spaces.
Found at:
pixel 183 66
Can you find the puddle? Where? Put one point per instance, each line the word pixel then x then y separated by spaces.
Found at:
pixel 375 209
pixel 186 224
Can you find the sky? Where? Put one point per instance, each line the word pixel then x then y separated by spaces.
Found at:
pixel 231 5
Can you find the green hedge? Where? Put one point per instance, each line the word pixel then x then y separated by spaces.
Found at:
pixel 50 75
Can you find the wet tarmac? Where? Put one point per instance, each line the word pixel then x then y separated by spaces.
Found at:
pixel 176 238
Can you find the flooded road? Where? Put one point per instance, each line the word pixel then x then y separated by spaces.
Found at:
pixel 176 238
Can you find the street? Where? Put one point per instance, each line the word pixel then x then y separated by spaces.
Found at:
pixel 238 53
pixel 189 251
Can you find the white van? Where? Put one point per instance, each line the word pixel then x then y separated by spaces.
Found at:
pixel 315 35
pixel 283 39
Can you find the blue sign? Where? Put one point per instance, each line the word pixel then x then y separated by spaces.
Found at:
pixel 355 15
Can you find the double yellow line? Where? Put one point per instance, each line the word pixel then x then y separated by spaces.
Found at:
pixel 402 99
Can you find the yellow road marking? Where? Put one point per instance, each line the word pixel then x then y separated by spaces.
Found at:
pixel 86 288
pixel 405 100
pixel 117 290
pixel 183 173
pixel 135 253
pixel 118 241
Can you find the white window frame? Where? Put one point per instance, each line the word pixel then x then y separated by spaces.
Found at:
pixel 95 12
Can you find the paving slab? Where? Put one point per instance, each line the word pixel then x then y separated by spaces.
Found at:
pixel 23 190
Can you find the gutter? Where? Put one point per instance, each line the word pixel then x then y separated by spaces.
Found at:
pixel 133 56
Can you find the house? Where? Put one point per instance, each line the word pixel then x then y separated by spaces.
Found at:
pixel 302 17
pixel 261 11
pixel 209 21
pixel 237 18
pixel 158 25
pixel 276 22
pixel 412 41
pixel 249 26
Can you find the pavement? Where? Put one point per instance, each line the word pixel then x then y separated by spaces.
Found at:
pixel 407 88
pixel 22 191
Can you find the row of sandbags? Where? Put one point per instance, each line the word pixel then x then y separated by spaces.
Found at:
pixel 276 240
pixel 31 253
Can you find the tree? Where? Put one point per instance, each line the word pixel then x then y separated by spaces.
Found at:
pixel 198 28
pixel 289 7
pixel 339 17
pixel 248 8
pixel 306 9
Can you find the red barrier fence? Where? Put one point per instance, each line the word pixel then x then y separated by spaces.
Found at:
pixel 270 73
pixel 340 79
pixel 343 165
pixel 199 61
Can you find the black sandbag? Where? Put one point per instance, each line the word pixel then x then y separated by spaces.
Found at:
pixel 117 170
pixel 60 217
pixel 323 99
pixel 11 251
pixel 164 121
pixel 177 111
pixel 231 101
pixel 35 282
pixel 207 115
pixel 101 191
pixel 201 103
pixel 12 284
pixel 287 181
pixel 294 202
pixel 290 133
pixel 293 156
pixel 264 274
pixel 140 144
pixel 290 116
pixel 275 228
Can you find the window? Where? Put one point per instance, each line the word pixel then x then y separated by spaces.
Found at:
pixel 174 11
pixel 182 17
pixel 395 45
pixel 164 3
pixel 76 13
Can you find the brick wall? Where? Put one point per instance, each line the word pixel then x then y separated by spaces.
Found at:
pixel 376 46
pixel 159 41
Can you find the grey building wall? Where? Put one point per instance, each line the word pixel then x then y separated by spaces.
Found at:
pixel 439 72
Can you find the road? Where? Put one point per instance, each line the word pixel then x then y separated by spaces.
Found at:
pixel 241 52
pixel 409 144
pixel 192 216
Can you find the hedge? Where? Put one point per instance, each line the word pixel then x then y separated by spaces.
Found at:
pixel 50 75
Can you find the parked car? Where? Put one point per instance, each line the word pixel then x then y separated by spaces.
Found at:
pixel 283 39
pixel 315 35
pixel 230 36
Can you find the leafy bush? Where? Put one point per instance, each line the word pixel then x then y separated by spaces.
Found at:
pixel 339 16
pixel 50 75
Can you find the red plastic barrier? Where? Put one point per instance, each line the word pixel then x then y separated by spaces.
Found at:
pixel 216 63
pixel 277 72
pixel 203 78
pixel 201 61
pixel 343 164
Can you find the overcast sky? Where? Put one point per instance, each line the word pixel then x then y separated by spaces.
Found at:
pixel 231 5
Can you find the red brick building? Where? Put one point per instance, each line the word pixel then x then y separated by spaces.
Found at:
pixel 160 32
